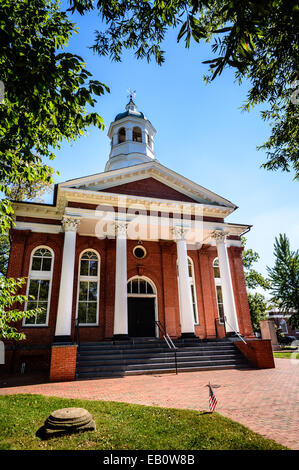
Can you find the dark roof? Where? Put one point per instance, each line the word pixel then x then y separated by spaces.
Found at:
pixel 137 114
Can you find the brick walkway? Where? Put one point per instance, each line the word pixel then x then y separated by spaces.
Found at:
pixel 266 401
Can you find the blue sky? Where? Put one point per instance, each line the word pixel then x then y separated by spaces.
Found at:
pixel 201 134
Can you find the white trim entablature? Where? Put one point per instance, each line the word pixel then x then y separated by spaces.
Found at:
pixel 126 201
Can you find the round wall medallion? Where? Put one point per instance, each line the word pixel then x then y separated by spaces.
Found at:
pixel 139 252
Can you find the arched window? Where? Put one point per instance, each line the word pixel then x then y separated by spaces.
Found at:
pixel 121 135
pixel 137 136
pixel 39 285
pixel 88 288
pixel 193 289
pixel 217 279
pixel 140 286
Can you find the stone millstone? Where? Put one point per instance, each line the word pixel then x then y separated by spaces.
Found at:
pixel 68 421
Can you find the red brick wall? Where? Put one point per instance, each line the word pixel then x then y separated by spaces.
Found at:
pixel 240 292
pixel 159 265
pixel 19 266
pixel 149 187
pixel 169 311
pixel 258 352
pixel 94 333
pixel 206 256
pixel 63 363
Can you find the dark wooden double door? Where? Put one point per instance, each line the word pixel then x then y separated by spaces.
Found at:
pixel 141 317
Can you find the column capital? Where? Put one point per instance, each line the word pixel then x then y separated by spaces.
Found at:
pixel 70 223
pixel 219 235
pixel 121 228
pixel 179 233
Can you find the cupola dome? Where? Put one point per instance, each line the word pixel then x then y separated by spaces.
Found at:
pixel 132 139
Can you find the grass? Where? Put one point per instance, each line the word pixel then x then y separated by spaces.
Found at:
pixel 121 426
pixel 287 354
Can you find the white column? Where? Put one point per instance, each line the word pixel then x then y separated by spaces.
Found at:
pixel 65 301
pixel 121 302
pixel 129 133
pixel 186 307
pixel 226 283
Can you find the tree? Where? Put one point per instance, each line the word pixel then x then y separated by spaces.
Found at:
pixel 258 304
pixel 46 93
pixel 253 279
pixel 4 253
pixel 20 191
pixel 31 190
pixel 284 278
pixel 258 307
pixel 10 312
pixel 259 40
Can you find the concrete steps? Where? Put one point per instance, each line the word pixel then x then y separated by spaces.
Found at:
pixel 152 356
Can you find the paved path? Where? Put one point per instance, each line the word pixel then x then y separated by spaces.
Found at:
pixel 266 401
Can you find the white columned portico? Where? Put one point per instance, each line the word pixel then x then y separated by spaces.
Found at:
pixel 229 306
pixel 121 303
pixel 186 308
pixel 65 301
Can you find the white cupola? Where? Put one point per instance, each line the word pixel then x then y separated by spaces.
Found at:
pixel 132 139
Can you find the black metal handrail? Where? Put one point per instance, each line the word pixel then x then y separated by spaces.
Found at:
pixel 168 341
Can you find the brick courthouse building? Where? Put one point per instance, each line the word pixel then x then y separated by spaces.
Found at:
pixel 120 250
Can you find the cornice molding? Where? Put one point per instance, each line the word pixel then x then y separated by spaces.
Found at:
pixel 86 196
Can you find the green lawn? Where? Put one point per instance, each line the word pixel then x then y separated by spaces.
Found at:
pixel 287 354
pixel 122 426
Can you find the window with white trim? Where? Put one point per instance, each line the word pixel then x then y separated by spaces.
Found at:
pixel 193 289
pixel 88 288
pixel 139 286
pixel 219 297
pixel 39 285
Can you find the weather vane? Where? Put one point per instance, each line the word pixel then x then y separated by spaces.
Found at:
pixel 131 94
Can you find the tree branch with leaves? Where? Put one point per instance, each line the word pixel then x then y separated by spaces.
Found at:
pixel 258 304
pixel 47 93
pixel 10 312
pixel 257 40
pixel 284 279
pixel 48 98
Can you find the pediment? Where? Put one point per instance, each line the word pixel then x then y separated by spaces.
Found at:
pixel 149 187
pixel 149 180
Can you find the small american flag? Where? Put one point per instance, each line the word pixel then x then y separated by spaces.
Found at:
pixel 212 399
